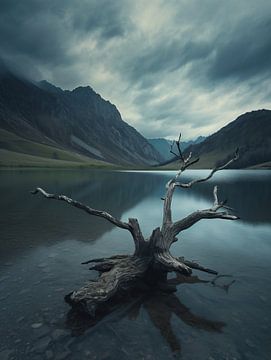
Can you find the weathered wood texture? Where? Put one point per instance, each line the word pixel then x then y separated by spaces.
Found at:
pixel 152 259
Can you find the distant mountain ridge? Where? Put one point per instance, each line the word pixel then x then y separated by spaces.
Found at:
pixel 163 146
pixel 250 132
pixel 79 121
pixel 41 124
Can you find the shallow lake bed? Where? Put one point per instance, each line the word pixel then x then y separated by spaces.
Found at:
pixel 43 243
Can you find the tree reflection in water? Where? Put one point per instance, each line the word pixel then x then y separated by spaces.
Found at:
pixel 160 307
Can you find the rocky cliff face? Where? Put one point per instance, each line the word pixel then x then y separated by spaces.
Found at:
pixel 79 120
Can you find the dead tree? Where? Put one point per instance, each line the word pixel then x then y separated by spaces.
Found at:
pixel 152 260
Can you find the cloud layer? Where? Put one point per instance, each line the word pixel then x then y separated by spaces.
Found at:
pixel 168 65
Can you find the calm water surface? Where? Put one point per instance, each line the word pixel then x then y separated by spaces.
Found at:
pixel 42 244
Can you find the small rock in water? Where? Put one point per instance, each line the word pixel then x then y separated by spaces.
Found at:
pixel 46 270
pixel 59 289
pixel 105 356
pixel 41 331
pixel 49 354
pixel 5 355
pixel 59 333
pixel 20 319
pixel 42 265
pixel 63 355
pixel 69 342
pixel 249 356
pixel 45 309
pixel 36 325
pixel 41 345
pixel 250 343
pixel 24 291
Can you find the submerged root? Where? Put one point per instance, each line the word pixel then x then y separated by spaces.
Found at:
pixel 121 273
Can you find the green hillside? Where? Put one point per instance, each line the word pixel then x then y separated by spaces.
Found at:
pixel 250 132
pixel 17 151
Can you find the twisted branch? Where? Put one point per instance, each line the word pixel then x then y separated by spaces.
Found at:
pixel 173 183
pixel 198 215
pixel 217 168
pixel 167 216
pixel 170 263
pixel 85 208
pixel 194 265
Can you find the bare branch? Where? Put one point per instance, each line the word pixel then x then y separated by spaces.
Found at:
pixel 218 205
pixel 215 196
pixel 171 149
pixel 193 182
pixel 179 147
pixel 167 216
pixel 192 162
pixel 85 208
pixel 196 266
pixel 177 142
pixel 170 186
pixel 196 216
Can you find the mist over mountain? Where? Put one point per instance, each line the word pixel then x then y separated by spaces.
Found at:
pixel 78 121
pixel 41 121
pixel 163 146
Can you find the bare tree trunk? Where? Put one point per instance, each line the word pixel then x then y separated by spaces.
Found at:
pixel 152 259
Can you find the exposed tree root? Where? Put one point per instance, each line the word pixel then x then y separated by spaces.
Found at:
pixel 152 260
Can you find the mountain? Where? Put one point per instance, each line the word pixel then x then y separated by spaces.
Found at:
pixel 79 123
pixel 163 146
pixel 250 132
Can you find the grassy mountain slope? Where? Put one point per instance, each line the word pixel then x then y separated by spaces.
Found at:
pixel 17 151
pixel 250 132
pixel 79 121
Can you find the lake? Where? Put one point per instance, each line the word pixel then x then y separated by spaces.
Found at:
pixel 42 245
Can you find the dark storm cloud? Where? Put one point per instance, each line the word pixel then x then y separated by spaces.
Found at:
pixel 241 52
pixel 103 16
pixel 245 51
pixel 165 64
pixel 166 57
pixel 24 31
pixel 45 31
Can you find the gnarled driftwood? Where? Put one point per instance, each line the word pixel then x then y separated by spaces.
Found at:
pixel 152 259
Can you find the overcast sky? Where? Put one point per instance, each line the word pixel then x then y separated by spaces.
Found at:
pixel 190 65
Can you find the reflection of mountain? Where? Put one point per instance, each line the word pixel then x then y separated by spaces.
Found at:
pixel 249 195
pixel 248 192
pixel 34 220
